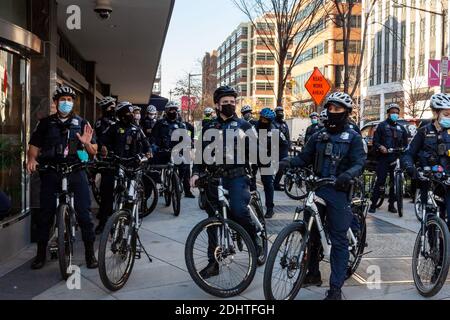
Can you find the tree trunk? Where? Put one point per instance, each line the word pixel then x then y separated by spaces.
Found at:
pixel 281 82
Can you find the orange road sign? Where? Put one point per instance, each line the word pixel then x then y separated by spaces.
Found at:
pixel 317 86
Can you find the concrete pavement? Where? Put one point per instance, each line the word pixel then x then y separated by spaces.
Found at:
pixel 390 245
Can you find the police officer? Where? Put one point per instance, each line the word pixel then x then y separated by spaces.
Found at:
pixel 314 127
pixel 247 114
pixel 149 121
pixel 63 137
pixel 185 173
pixel 102 127
pixel 125 140
pixel 137 115
pixel 430 146
pixel 234 179
pixel 265 122
pixel 208 115
pixel 285 142
pixel 337 152
pixel 388 135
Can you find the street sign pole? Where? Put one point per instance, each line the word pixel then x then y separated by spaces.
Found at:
pixel 444 73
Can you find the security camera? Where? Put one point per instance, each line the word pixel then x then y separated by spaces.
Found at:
pixel 103 8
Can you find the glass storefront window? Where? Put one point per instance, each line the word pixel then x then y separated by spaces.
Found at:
pixel 13 89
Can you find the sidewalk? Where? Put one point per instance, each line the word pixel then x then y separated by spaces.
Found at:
pixel 390 241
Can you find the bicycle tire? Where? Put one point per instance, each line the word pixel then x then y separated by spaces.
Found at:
pixel 167 195
pixel 445 262
pixel 176 194
pixel 357 254
pixel 289 185
pixel 65 241
pixel 150 189
pixel 92 174
pixel 102 265
pixel 261 260
pixel 190 263
pixel 399 193
pixel 202 200
pixel 271 260
pixel 418 205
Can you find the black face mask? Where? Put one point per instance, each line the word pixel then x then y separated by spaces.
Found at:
pixel 110 113
pixel 264 125
pixel 228 110
pixel 127 119
pixel 280 116
pixel 171 115
pixel 336 122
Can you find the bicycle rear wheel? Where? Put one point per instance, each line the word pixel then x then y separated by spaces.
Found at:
pixel 231 250
pixel 360 233
pixel 287 264
pixel 399 193
pixel 117 251
pixel 430 266
pixel 176 194
pixel 65 240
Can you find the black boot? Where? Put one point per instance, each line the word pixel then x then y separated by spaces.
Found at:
pixel 391 208
pixel 188 194
pixel 41 257
pixel 334 294
pixel 211 270
pixel 91 261
pixel 100 227
pixel 269 214
pixel 372 209
pixel 312 280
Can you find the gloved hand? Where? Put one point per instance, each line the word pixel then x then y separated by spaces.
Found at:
pixel 343 182
pixel 284 164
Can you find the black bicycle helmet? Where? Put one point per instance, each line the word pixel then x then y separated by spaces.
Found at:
pixel 224 91
pixel 64 91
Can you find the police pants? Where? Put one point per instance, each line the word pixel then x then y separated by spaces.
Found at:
pixel 239 198
pixel 338 218
pixel 50 186
pixel 384 168
pixel 106 196
pixel 184 171
pixel 268 184
pixel 284 153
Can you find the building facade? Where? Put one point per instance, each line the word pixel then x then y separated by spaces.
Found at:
pixel 39 52
pixel 245 62
pixel 401 41
pixel 157 82
pixel 209 78
pixel 325 50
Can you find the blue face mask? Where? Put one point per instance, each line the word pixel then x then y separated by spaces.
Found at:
pixel 65 107
pixel 445 123
pixel 314 121
pixel 394 117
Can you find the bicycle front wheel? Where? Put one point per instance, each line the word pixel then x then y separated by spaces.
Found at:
pixel 65 240
pixel 117 251
pixel 294 189
pixel 399 193
pixel 220 257
pixel 150 196
pixel 430 261
pixel 287 264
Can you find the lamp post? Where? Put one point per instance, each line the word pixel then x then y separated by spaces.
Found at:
pixel 443 14
pixel 190 75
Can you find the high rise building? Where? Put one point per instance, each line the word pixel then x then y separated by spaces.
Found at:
pixel 209 77
pixel 401 40
pixel 245 62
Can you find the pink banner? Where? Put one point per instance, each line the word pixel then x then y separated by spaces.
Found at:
pixel 434 74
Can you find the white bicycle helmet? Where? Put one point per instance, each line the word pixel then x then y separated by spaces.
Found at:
pixel 279 108
pixel 171 105
pixel 440 101
pixel 106 102
pixel 124 104
pixel 340 98
pixel 323 115
pixel 393 106
pixel 151 109
pixel 208 111
pixel 246 108
pixel 64 91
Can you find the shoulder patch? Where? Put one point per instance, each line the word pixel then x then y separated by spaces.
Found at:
pixel 75 122
pixel 345 136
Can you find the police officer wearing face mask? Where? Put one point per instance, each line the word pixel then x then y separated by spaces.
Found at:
pixel 235 177
pixel 388 135
pixel 208 115
pixel 125 140
pixel 137 115
pixel 185 172
pixel 102 127
pixel 430 146
pixel 314 127
pixel 149 121
pixel 337 151
pixel 62 138
pixel 247 115
pixel 285 142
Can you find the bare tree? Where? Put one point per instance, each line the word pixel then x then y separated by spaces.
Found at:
pixel 295 22
pixel 182 88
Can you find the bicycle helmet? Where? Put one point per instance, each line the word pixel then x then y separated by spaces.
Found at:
pixel 340 98
pixel 440 101
pixel 323 115
pixel 393 106
pixel 106 102
pixel 246 109
pixel 267 113
pixel 172 105
pixel 279 108
pixel 151 109
pixel 224 91
pixel 208 111
pixel 314 114
pixel 136 108
pixel 124 107
pixel 64 91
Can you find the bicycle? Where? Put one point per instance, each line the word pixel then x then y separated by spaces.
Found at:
pixel 293 184
pixel 223 241
pixel 290 251
pixel 170 185
pixel 431 253
pixel 66 222
pixel 94 178
pixel 118 246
